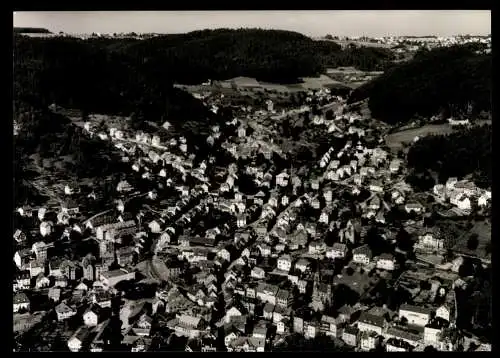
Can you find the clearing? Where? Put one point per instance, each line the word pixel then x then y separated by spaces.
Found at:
pixel 397 140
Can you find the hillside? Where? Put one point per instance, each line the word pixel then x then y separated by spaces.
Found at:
pixel 454 80
pixel 458 154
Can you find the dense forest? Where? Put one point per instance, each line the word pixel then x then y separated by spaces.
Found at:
pixel 455 155
pixel 31 30
pixel 454 79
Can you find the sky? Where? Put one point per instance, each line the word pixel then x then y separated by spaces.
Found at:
pixel 374 23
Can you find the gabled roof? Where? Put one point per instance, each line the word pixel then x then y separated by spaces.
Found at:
pixel 413 308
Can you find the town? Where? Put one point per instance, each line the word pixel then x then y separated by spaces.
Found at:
pixel 185 188
pixel 245 250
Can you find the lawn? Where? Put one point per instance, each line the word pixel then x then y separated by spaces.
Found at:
pixel 483 231
pixel 396 140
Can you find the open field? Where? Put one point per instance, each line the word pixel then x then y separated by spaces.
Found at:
pixel 483 230
pixel 396 140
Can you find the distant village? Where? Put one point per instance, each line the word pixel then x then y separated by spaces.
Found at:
pixel 312 251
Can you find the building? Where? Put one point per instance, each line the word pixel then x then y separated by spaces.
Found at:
pixel 21 302
pixel 371 323
pixel 63 311
pixel 285 263
pixel 338 251
pixel 111 278
pixel 78 339
pixel 415 315
pixel 351 336
pixel 284 298
pixel 362 255
pixel 386 262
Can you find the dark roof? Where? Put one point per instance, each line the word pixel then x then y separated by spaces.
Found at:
pixel 372 319
pixel 403 334
pixel 21 298
pixel 351 330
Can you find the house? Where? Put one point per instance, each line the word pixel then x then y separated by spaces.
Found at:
pixel 302 285
pixel 22 258
pixel 54 294
pixel 445 312
pixel 282 179
pixel 55 268
pixel 430 241
pixel 284 298
pixel 155 227
pixel 285 263
pixel 371 323
pixel 143 325
pixel 415 315
pixel 376 186
pixel 394 165
pixel 414 207
pixel 311 329
pixel 369 340
pixel 302 265
pixel 397 345
pixel 374 203
pixel 386 262
pixel 91 316
pixel 21 302
pixel 362 255
pixel 323 218
pixel 64 312
pixel 79 338
pixel 350 336
pixel 45 228
pixel 231 333
pixel 258 273
pixel 317 247
pixel 19 236
pixel 260 330
pixel 70 207
pixel 40 249
pixel 111 278
pixel 483 200
pixel 42 281
pixel 267 293
pixel 329 326
pixel 36 267
pixel 224 254
pixel 405 333
pixel 460 200
pixel 337 251
pixel 440 191
pixel 432 334
pixel 23 280
pixel 247 344
pixel 230 313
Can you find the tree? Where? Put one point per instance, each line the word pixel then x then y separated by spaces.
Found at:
pixel 473 242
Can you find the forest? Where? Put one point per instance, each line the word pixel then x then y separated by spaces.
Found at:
pixel 455 79
pixel 467 151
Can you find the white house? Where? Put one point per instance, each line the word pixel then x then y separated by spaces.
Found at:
pixel 323 218
pixel 376 187
pixel 444 312
pixel 20 301
pixel 431 335
pixel 258 273
pixel 386 262
pixel 79 337
pixel 45 228
pixel 414 207
pixel 416 315
pixel 317 247
pixel 91 317
pixel 232 312
pixel 430 241
pixel 285 263
pixel 302 265
pixel 155 227
pixel 338 250
pixel 362 255
pixel 64 312
pixel 461 201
